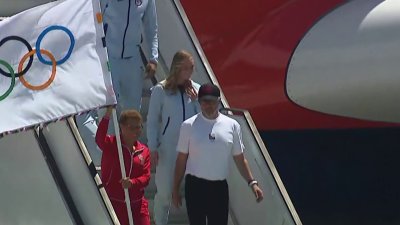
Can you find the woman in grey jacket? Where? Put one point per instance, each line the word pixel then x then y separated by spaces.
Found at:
pixel 172 101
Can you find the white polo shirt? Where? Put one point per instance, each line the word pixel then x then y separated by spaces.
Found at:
pixel 210 144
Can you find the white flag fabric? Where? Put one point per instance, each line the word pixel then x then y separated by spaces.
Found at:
pixel 52 64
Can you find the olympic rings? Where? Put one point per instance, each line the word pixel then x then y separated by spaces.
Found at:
pixel 53 71
pixel 40 38
pixel 10 69
pixel 28 46
pixel 39 52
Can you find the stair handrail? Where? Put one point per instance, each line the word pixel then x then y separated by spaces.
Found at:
pixel 246 114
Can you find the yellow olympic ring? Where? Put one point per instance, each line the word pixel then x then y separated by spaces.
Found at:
pixel 53 71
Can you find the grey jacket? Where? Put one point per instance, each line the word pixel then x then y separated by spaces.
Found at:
pixel 171 110
pixel 123 20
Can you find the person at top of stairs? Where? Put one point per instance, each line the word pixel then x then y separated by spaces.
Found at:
pixel 123 23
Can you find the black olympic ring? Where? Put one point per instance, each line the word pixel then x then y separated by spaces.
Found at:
pixel 28 46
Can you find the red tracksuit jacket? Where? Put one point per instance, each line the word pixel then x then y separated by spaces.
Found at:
pixel 137 165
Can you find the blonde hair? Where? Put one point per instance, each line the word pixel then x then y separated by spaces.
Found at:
pixel 171 83
pixel 130 114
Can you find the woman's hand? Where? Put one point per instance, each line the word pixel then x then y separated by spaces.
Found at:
pixel 109 111
pixel 192 93
pixel 126 182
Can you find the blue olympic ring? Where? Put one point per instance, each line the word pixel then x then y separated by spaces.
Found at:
pixel 41 36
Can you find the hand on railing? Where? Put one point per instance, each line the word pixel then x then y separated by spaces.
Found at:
pixel 151 68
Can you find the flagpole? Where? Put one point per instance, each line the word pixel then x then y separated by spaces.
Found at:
pixel 122 165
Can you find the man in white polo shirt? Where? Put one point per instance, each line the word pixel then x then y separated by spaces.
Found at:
pixel 206 143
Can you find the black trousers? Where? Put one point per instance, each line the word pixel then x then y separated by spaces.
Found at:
pixel 206 201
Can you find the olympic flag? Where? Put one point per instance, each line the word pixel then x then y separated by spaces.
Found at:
pixel 52 64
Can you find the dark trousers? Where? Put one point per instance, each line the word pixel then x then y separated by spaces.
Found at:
pixel 206 201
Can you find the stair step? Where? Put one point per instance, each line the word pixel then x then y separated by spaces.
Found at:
pixel 176 216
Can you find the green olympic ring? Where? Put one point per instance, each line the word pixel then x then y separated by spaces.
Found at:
pixel 10 69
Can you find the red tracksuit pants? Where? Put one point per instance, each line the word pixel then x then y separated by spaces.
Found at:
pixel 140 212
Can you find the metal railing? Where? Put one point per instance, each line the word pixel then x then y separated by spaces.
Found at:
pixel 232 112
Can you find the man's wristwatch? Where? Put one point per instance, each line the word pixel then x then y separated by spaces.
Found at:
pixel 252 182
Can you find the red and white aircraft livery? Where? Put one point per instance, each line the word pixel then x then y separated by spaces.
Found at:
pixel 321 80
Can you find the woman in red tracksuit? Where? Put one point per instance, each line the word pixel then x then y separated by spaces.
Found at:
pixel 137 166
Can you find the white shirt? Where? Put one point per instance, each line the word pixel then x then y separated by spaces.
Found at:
pixel 210 144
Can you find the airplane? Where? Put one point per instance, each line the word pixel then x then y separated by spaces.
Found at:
pixel 320 79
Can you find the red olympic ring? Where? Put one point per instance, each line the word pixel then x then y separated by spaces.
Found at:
pixel 53 70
